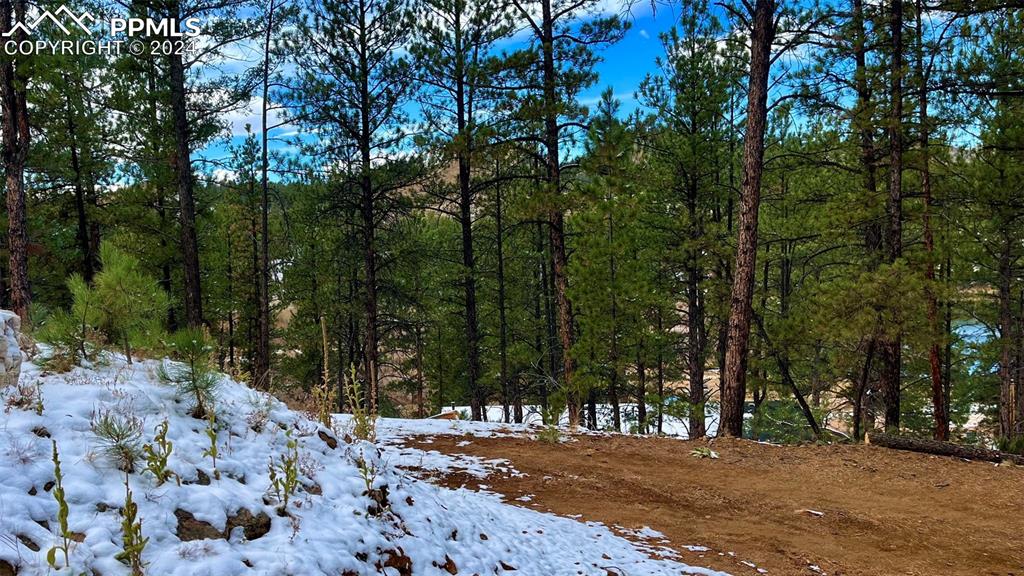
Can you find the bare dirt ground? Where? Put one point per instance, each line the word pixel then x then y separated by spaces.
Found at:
pixel 883 512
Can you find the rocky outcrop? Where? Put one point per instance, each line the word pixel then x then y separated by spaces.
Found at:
pixel 253 526
pixel 10 352
pixel 189 528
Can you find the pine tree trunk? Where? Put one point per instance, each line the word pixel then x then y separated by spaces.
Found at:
pixel 613 356
pixel 733 394
pixel 440 370
pixel 939 410
pixel 420 380
pixel 862 386
pixel 231 300
pixel 502 316
pixel 1006 347
pixel 696 332
pixel 541 325
pixel 592 409
pixel 1018 362
pixel 556 216
pixel 873 230
pixel 890 346
pixel 641 390
pixel 3 275
pixel 548 286
pixel 368 214
pixel 15 146
pixel 261 367
pixel 370 269
pixel 82 233
pixel 661 384
pixel 155 136
pixel 182 168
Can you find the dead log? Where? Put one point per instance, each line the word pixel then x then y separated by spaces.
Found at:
pixel 940 448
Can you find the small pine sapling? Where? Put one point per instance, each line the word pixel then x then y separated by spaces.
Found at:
pixel 211 433
pixel 195 377
pixel 550 434
pixel 284 475
pixel 133 544
pixel 64 545
pixel 1011 445
pixel 73 334
pixel 157 455
pixel 119 435
pixel 131 303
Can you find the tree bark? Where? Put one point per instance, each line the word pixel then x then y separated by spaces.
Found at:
pixel 862 385
pixel 1018 363
pixel 182 168
pixel 420 381
pixel 556 215
pixel 696 331
pixel 661 377
pixel 230 280
pixel 82 234
pixel 368 214
pixel 1006 348
pixel 733 393
pixel 1018 389
pixel 939 410
pixel 463 108
pixel 503 379
pixel 613 355
pixel 543 328
pixel 15 147
pixel 641 389
pixel 548 286
pixel 890 346
pixel 261 367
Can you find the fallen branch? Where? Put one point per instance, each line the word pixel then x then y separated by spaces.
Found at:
pixel 940 448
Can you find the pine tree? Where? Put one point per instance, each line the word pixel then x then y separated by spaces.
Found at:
pixel 689 140
pixel 359 112
pixel 454 56
pixel 130 303
pixel 558 65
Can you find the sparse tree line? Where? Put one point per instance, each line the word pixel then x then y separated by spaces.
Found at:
pixel 810 225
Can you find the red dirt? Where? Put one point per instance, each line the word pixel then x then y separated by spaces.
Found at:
pixel 885 512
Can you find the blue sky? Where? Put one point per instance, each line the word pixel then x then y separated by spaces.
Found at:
pixel 627 62
pixel 623 68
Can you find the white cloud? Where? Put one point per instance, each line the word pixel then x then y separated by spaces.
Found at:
pixel 224 175
pixel 251 114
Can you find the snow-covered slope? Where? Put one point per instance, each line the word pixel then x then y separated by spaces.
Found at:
pixel 234 525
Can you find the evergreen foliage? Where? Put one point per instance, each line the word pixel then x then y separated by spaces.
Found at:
pixel 194 377
pixel 462 217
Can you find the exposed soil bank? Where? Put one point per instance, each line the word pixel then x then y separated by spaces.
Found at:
pixel 883 512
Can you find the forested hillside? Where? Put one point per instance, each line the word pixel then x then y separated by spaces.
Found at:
pixel 805 222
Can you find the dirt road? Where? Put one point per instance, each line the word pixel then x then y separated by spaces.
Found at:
pixel 840 510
